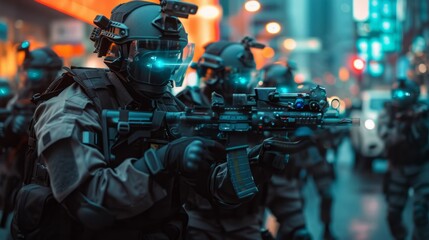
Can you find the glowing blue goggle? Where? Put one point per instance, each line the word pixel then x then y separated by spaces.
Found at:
pixel 241 80
pixel 4 91
pixel 34 74
pixel 400 94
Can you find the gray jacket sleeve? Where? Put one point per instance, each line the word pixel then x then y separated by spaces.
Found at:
pixel 74 166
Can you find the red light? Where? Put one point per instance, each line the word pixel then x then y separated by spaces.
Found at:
pixel 358 64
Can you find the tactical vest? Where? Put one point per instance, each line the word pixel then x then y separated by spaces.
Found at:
pixel 96 86
pixel 99 88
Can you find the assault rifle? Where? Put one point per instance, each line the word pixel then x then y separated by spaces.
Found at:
pixel 250 115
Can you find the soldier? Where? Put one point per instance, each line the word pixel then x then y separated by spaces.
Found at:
pixel 403 126
pixel 76 192
pixel 227 68
pixel 5 92
pixel 40 67
pixel 312 163
pixel 284 197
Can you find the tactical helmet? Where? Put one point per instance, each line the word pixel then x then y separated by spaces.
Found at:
pixel 41 66
pixel 228 67
pixel 405 93
pixel 146 44
pixel 277 75
pixel 5 92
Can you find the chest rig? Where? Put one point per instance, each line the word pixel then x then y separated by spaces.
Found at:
pixel 117 141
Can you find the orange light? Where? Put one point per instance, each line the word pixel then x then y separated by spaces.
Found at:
pixel 82 10
pixel 273 27
pixel 299 78
pixel 252 6
pixel 289 44
pixel 268 52
pixel 69 50
pixel 329 78
pixel 343 74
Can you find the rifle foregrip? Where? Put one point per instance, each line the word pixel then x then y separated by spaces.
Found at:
pixel 287 147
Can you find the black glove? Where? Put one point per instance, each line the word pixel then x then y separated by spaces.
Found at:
pixel 187 156
pixel 267 157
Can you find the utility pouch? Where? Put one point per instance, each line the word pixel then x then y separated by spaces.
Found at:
pixel 37 215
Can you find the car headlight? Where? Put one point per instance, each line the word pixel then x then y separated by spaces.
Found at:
pixel 369 124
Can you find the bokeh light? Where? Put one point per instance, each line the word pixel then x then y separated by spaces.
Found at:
pixel 289 44
pixel 252 6
pixel 209 12
pixel 273 27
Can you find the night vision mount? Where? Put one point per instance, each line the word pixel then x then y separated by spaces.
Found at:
pixel 177 8
pixel 247 57
pixel 167 22
pixel 107 31
pixel 249 42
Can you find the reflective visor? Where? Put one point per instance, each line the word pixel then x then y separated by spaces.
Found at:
pixel 156 62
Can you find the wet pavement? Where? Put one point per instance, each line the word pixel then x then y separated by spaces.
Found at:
pixel 359 211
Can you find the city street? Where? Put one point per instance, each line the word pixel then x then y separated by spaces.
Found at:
pixel 110 108
pixel 359 206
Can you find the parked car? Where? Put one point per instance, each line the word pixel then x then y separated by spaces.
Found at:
pixel 365 141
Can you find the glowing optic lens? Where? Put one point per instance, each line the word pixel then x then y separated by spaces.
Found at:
pixel 299 103
pixel 25 44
